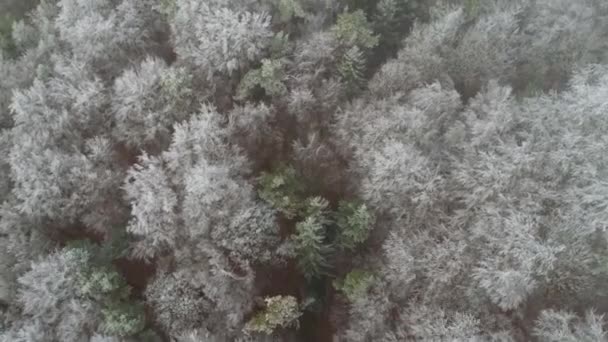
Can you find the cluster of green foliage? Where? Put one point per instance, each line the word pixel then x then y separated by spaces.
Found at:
pixel 7 45
pixel 471 8
pixel 168 7
pixel 290 9
pixel 269 77
pixel 12 11
pixel 282 189
pixel 319 231
pixel 353 221
pixel 311 252
pixel 280 312
pixel 355 285
pixel 353 29
pixel 356 38
pixel 100 281
pixel 311 248
pixel 279 45
pixel 123 318
pixel 351 69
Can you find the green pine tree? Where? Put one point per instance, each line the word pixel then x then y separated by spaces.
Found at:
pixel 280 312
pixel 311 250
pixel 353 29
pixel 269 77
pixel 351 70
pixel 354 222
pixel 282 188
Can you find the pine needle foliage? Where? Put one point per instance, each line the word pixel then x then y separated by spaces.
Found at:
pixel 351 69
pixel 317 207
pixel 268 77
pixel 290 9
pixel 282 188
pixel 168 7
pixel 354 222
pixel 472 8
pixel 279 46
pixel 355 38
pixel 99 280
pixel 123 318
pixel 355 284
pixel 311 250
pixel 353 29
pixel 280 312
pixel 7 45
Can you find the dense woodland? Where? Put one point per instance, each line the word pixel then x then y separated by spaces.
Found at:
pixel 303 170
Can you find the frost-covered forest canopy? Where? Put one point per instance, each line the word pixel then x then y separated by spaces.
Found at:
pixel 303 170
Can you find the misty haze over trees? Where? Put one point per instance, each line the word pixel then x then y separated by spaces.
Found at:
pixel 303 170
